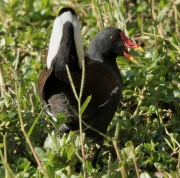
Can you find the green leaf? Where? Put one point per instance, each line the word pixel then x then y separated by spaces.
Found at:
pixel 149 76
pixel 95 3
pixel 129 144
pixel 168 142
pixel 176 93
pixel 61 119
pixel 23 164
pixel 70 150
pixel 9 40
pixel 161 16
pixel 176 46
pixel 106 176
pixel 30 74
pixel 159 166
pixel 145 175
pixel 174 173
pixel 40 152
pixel 86 102
pixel 2 172
pixel 88 166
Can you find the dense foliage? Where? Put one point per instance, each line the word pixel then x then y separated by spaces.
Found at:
pixel 146 128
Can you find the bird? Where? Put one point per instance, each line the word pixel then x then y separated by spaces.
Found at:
pixel 103 81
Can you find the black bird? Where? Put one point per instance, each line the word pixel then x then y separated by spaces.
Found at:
pixel 103 80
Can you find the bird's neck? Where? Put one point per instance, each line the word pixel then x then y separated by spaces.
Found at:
pixel 108 60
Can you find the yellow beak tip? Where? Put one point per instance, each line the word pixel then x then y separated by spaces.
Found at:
pixel 140 49
pixel 134 60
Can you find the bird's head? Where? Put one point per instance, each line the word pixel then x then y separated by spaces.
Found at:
pixel 110 43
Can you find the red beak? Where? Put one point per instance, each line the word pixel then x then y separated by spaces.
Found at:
pixel 130 44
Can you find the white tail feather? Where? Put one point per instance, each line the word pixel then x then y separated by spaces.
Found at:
pixel 57 35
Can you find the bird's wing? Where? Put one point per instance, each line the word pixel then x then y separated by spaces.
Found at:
pixel 44 75
pixel 100 81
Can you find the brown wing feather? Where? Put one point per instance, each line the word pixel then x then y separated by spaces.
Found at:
pixel 44 75
pixel 99 87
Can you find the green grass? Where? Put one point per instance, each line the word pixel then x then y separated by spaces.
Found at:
pixel 143 137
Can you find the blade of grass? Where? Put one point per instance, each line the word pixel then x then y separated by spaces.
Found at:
pixel 8 171
pixel 85 104
pixel 78 98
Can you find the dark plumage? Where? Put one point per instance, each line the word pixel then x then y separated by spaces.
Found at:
pixel 103 80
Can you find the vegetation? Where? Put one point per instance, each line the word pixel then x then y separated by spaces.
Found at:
pixel 145 130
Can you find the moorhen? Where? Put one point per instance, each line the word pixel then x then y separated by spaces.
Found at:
pixel 103 80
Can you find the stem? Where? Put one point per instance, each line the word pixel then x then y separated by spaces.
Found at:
pixel 22 124
pixel 80 116
pixel 121 16
pixel 71 82
pixel 21 118
pixel 176 18
pixel 109 164
pixel 178 144
pixel 2 83
pixel 179 160
pixel 5 156
pixel 142 97
pixel 153 19
pixel 110 10
pixel 116 135
pixel 100 133
pixel 123 172
pixel 4 20
pixel 149 34
pixel 178 166
pixel 142 16
pixel 96 13
pixel 135 165
pixel 6 166
pixel 79 109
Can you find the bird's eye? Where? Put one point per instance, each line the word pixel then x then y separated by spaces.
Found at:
pixel 113 38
